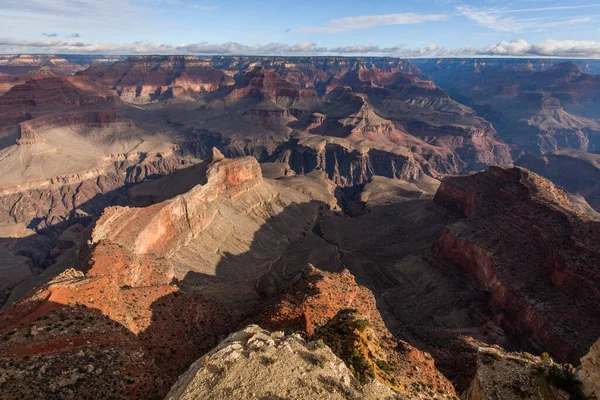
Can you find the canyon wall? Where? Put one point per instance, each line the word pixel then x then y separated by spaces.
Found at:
pixel 531 252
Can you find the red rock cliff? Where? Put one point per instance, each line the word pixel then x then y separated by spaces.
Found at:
pixel 533 255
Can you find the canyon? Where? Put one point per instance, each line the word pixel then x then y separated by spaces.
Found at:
pixel 536 106
pixel 186 226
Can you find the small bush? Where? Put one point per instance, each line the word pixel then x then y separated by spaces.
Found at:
pixel 363 369
pixel 384 366
pixel 361 324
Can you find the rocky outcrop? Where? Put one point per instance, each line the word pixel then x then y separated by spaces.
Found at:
pixel 55 92
pixel 91 119
pixel 576 171
pixel 138 268
pixel 589 372
pixel 8 81
pixel 536 106
pixel 166 227
pixel 530 251
pixel 267 85
pixel 45 203
pixel 349 165
pixel 16 64
pixel 503 375
pixel 141 79
pixel 37 97
pixel 71 350
pixel 475 146
pixel 333 308
pixel 264 103
pixel 256 363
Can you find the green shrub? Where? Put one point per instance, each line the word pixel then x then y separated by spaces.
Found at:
pixel 361 324
pixel 363 369
pixel 384 366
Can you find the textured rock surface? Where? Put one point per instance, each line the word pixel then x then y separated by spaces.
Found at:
pixel 537 106
pixel 165 228
pixel 165 288
pixel 530 252
pixel 24 63
pixel 256 363
pixel 502 375
pixel 589 372
pixel 332 307
pixel 141 79
pixel 176 244
pixel 260 104
pixel 54 348
pixel 576 171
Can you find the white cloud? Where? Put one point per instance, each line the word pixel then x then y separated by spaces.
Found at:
pixel 566 48
pixel 494 18
pixel 552 8
pixel 572 21
pixel 373 21
pixel 237 48
pixel 504 48
pixel 513 48
pixel 489 18
pixel 547 48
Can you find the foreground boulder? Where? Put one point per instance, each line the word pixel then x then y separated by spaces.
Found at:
pixel 589 372
pixel 254 363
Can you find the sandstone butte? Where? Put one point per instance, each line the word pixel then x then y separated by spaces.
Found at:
pixel 123 313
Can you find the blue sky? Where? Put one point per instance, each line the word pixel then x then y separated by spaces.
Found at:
pixel 385 27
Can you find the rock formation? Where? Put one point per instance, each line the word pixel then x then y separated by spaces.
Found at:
pixel 24 63
pixel 589 372
pixel 537 106
pixel 151 207
pixel 331 307
pixel 503 375
pixel 133 274
pixel 385 104
pixel 256 363
pixel 530 252
pixel 141 79
pixel 576 171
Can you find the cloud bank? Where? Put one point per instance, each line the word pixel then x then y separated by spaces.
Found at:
pixel 513 48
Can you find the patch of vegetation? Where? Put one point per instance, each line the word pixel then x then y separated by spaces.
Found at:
pixel 361 324
pixel 384 366
pixel 489 357
pixel 563 377
pixel 362 368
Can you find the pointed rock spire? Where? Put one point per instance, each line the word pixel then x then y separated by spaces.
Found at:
pixel 216 155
